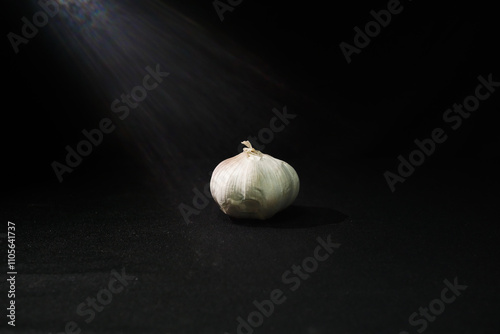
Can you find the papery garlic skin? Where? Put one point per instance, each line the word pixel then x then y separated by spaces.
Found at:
pixel 253 184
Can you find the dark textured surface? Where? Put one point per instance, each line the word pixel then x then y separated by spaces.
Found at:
pixel 198 278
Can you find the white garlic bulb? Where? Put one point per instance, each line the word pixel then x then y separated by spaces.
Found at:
pixel 253 184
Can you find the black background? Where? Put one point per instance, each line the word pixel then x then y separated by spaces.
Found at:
pixel 120 207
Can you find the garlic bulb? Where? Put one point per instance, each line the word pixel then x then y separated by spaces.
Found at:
pixel 253 185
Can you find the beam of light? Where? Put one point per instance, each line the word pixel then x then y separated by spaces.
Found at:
pixel 214 88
